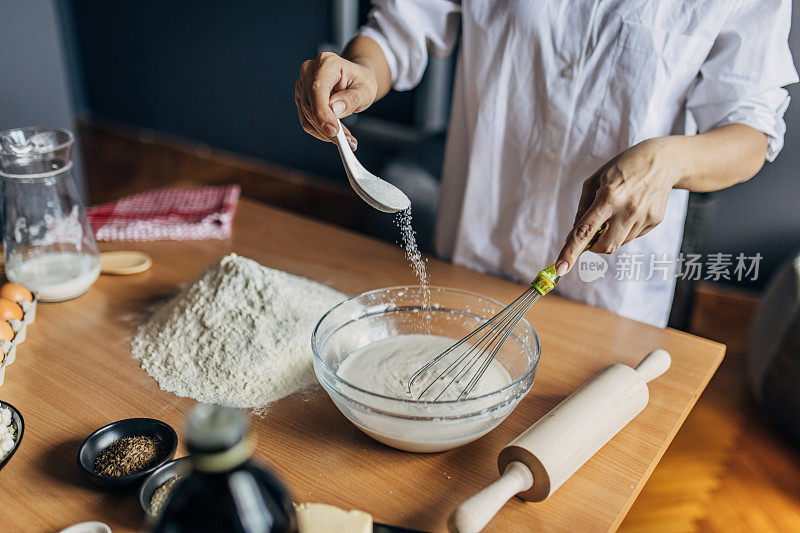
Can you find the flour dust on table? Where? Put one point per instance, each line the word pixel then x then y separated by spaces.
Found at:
pixel 237 336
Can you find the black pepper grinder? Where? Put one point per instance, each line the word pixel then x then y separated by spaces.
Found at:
pixel 226 489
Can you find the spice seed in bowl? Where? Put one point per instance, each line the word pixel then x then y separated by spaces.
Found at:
pixel 161 494
pixel 129 455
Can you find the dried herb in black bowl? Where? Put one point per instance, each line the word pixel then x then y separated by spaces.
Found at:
pixel 129 455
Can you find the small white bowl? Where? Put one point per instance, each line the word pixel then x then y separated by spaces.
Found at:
pixel 87 527
pixel 414 425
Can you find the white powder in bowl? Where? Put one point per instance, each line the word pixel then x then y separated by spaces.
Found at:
pixel 7 432
pixel 239 335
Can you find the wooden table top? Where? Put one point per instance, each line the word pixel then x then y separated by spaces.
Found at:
pixel 75 373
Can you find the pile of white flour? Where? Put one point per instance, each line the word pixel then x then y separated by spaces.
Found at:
pixel 239 335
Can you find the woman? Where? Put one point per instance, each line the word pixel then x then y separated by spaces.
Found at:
pixel 568 115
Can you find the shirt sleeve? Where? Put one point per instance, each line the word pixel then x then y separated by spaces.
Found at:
pixel 407 30
pixel 742 78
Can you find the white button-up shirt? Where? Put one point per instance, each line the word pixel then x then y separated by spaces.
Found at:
pixel 548 91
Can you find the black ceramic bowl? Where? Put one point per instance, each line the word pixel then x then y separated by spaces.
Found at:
pixel 19 425
pixel 178 467
pixel 107 435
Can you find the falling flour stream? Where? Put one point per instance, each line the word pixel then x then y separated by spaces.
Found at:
pixel 414 256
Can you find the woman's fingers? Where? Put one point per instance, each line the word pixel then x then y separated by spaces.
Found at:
pixel 636 231
pixel 350 139
pixel 309 115
pixel 581 234
pixel 630 192
pixel 327 74
pixel 584 204
pixel 350 100
pixel 307 126
pixel 617 231
pixel 330 88
pixel 310 85
pixel 303 108
pixel 645 231
pixel 588 193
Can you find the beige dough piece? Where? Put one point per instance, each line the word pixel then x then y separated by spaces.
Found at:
pixel 124 263
pixel 324 518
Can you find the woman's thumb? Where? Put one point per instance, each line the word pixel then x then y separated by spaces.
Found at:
pixel 347 102
pixel 338 107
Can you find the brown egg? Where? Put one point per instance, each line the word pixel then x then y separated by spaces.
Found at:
pixel 15 292
pixel 6 333
pixel 9 310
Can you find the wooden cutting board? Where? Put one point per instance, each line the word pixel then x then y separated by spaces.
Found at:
pixel 74 374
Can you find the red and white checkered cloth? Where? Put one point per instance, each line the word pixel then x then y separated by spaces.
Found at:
pixel 167 214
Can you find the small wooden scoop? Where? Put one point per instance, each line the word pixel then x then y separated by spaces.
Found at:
pixel 124 263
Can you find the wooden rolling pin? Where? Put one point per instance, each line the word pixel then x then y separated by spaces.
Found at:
pixel 540 460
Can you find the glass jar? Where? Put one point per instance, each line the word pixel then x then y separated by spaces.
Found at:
pixel 226 490
pixel 48 244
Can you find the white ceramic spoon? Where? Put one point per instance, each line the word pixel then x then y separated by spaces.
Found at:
pixel 380 194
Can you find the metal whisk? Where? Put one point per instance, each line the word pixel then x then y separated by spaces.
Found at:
pixel 469 353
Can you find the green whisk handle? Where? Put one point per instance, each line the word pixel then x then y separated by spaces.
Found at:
pixel 545 281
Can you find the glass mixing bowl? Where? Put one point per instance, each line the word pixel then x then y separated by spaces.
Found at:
pixel 408 424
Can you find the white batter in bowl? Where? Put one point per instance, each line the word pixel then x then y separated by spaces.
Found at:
pixel 367 347
pixel 385 366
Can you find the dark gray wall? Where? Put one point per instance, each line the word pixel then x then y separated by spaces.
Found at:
pixel 34 88
pixel 221 73
pixel 217 72
pixel 763 214
pixel 34 78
